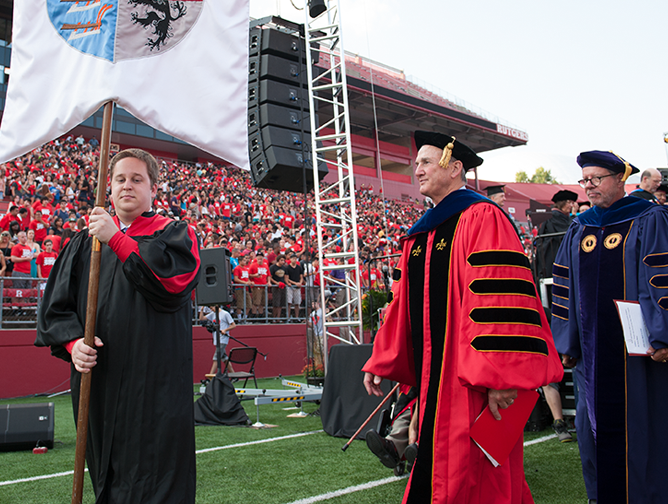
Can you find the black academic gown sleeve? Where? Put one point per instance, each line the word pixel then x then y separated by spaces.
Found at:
pixel 162 267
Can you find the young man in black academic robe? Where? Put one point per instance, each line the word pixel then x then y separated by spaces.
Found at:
pixel 141 443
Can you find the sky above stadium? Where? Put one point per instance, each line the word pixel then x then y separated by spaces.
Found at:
pixel 574 75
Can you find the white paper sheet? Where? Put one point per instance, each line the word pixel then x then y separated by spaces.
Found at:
pixel 636 334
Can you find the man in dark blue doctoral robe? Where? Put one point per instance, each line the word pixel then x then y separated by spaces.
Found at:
pixel 617 250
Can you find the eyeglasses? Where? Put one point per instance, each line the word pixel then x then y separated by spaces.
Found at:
pixel 594 181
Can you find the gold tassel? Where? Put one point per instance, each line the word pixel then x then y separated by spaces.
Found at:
pixel 447 154
pixel 627 167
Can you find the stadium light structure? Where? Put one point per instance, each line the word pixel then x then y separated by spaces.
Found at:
pixel 336 216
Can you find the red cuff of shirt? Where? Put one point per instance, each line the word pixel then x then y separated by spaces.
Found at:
pixel 123 245
pixel 69 346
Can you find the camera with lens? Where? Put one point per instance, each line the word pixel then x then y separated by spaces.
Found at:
pixel 210 326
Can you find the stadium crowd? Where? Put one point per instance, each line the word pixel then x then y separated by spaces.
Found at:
pixel 51 192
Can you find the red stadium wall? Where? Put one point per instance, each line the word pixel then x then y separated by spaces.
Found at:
pixel 284 345
pixel 28 370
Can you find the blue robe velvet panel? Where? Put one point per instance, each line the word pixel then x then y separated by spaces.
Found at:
pixel 617 253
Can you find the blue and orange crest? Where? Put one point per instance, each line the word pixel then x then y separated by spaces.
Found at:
pixel 119 30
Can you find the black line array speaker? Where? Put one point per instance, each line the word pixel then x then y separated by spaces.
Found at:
pixel 215 277
pixel 278 111
pixel 26 426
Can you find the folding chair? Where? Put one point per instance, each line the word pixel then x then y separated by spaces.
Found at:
pixel 243 355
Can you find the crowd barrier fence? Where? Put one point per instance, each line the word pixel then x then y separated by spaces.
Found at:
pixel 22 298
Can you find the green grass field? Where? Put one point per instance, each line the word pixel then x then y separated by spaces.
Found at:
pixel 280 471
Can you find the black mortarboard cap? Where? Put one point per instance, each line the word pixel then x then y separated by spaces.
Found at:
pixel 564 196
pixel 608 160
pixel 494 189
pixel 460 151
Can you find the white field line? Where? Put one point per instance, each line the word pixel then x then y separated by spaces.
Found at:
pixel 371 484
pixel 36 478
pixel 317 498
pixel 539 440
pixel 205 450
pixel 259 441
pixel 344 491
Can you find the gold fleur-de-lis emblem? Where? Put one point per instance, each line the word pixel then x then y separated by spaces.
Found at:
pixel 612 241
pixel 442 244
pixel 588 243
pixel 417 251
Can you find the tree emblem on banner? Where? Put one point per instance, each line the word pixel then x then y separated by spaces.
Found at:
pixel 118 30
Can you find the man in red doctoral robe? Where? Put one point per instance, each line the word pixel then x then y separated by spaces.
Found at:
pixel 465 325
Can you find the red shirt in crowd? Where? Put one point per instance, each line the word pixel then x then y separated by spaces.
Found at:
pixel 376 277
pixel 216 208
pixel 261 270
pixel 242 273
pixel 46 260
pixel 40 230
pixel 19 250
pixel 55 239
pixel 46 210
pixel 7 219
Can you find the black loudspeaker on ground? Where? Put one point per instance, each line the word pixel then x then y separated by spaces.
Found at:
pixel 26 426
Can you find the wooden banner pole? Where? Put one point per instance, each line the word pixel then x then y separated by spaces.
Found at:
pixel 91 310
pixel 387 398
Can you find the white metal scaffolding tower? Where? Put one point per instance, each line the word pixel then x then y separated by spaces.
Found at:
pixel 334 203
